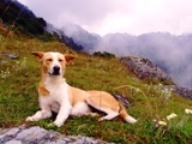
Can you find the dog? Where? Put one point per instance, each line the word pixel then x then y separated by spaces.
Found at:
pixel 55 95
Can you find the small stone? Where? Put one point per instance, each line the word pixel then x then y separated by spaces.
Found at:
pixel 14 142
pixel 10 56
pixel 31 133
pixel 10 132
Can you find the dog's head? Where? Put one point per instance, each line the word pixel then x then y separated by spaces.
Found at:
pixel 53 63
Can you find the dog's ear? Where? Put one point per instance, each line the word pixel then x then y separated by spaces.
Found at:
pixel 69 58
pixel 39 55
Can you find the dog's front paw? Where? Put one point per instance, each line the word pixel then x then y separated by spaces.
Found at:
pixel 58 123
pixel 30 118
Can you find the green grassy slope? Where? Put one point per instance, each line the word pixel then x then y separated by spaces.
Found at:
pixel 19 99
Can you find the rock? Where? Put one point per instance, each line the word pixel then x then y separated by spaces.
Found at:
pixel 14 142
pixel 144 68
pixel 8 135
pixel 122 99
pixel 10 56
pixel 38 135
pixel 182 91
pixel 29 135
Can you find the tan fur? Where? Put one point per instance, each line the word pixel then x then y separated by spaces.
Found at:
pixel 104 99
pixel 123 113
pixel 69 58
pixel 56 95
pixel 42 90
pixel 77 95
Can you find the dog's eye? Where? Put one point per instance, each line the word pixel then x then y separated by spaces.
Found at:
pixel 60 60
pixel 49 60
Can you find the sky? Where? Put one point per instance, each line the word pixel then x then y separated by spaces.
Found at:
pixel 112 16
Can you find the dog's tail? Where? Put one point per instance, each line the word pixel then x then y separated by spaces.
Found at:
pixel 124 115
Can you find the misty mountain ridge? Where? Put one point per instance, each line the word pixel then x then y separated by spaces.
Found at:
pixel 80 36
pixel 170 52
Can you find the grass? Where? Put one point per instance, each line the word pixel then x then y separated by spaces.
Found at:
pixel 19 99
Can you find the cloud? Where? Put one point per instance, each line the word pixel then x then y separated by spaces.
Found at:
pixel 82 12
pixel 108 16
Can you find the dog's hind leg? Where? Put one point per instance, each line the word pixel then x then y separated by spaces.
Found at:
pixel 100 106
pixel 110 114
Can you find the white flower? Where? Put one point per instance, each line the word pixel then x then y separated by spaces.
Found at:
pixel 188 111
pixel 163 123
pixel 137 90
pixel 171 116
pixel 159 123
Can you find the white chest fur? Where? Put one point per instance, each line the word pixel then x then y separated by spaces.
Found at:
pixel 58 95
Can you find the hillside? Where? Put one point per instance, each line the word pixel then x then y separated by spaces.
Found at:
pixel 18 95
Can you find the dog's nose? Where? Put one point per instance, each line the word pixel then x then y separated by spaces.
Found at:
pixel 56 70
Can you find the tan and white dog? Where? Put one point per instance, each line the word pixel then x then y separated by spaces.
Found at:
pixel 57 96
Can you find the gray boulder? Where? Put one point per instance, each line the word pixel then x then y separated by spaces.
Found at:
pixel 144 68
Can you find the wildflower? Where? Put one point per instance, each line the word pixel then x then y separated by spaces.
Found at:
pixel 4 74
pixel 23 63
pixel 166 93
pixel 188 111
pixel 137 90
pixel 162 123
pixel 171 116
pixel 159 123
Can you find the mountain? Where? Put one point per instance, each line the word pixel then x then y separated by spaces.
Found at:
pixel 19 17
pixel 76 37
pixel 80 36
pixel 170 52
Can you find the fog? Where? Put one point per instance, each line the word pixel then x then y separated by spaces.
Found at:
pixel 170 52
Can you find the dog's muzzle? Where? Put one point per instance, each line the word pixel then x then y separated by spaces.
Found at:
pixel 56 70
